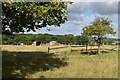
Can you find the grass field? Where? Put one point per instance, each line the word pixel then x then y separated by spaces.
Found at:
pixel 35 62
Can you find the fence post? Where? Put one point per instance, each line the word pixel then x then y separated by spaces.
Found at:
pixel 70 49
pixel 78 49
pixel 86 47
pixel 48 50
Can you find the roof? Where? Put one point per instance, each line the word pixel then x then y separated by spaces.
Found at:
pixel 53 41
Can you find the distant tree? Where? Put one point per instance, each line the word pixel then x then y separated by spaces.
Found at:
pixel 69 39
pixel 84 39
pixel 7 40
pixel 26 16
pixel 98 29
pixel 109 41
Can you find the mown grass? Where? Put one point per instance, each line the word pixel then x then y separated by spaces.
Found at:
pixel 33 63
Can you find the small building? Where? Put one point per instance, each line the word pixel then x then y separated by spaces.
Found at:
pixel 36 43
pixel 115 43
pixel 54 43
pixel 21 44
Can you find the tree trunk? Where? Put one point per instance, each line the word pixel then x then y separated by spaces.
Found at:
pixel 99 50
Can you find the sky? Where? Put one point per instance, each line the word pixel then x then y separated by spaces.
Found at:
pixel 81 14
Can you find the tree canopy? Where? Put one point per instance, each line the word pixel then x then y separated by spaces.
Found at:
pixel 26 16
pixel 28 39
pixel 98 29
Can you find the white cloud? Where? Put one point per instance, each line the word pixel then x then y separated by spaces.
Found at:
pixel 93 0
pixel 103 8
pixel 77 18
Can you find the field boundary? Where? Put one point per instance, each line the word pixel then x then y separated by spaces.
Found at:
pixel 70 48
pixel 49 48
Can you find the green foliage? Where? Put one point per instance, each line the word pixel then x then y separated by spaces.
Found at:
pixel 21 16
pixel 98 29
pixel 109 41
pixel 84 39
pixel 45 38
pixel 7 40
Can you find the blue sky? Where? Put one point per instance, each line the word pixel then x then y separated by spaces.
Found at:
pixel 81 14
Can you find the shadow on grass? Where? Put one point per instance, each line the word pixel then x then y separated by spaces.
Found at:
pixel 90 52
pixel 93 52
pixel 19 64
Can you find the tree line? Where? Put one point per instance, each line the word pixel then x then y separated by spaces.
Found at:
pixel 28 39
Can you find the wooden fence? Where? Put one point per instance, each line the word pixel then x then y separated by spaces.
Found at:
pixel 57 48
pixel 70 48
